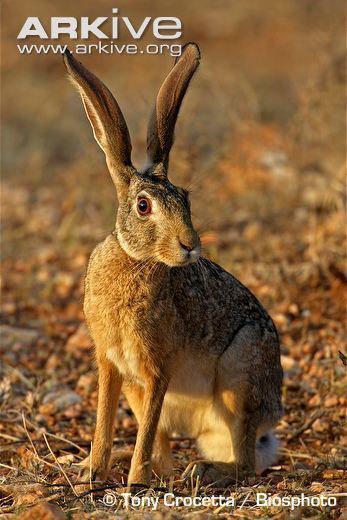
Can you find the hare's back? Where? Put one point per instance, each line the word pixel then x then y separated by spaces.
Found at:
pixel 213 306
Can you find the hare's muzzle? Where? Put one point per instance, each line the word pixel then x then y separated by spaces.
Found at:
pixel 189 246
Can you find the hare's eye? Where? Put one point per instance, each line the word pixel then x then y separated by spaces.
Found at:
pixel 143 206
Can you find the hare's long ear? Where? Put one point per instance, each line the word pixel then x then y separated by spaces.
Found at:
pixel 108 124
pixel 163 119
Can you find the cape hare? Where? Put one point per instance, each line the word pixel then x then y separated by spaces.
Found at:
pixel 191 348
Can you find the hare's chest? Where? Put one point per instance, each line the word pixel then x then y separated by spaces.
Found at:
pixel 129 354
pixel 128 360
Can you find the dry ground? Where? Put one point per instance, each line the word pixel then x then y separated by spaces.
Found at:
pixel 261 144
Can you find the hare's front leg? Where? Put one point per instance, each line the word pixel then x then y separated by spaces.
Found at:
pixel 110 383
pixel 161 458
pixel 141 467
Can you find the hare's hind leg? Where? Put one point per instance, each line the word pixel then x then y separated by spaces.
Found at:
pixel 230 448
pixel 162 457
pixel 242 393
pixel 110 382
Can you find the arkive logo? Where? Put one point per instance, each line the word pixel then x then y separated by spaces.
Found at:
pixel 163 27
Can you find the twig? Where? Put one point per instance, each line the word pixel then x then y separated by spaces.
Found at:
pixel 9 437
pixel 114 486
pixel 33 446
pixel 343 358
pixel 59 484
pixel 60 467
pixel 94 490
pixel 26 431
pixel 66 441
pixel 41 441
pixel 8 467
pixel 295 455
pixel 9 509
pixel 306 425
pixel 57 437
pixel 22 377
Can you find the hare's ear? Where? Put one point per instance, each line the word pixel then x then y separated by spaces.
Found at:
pixel 163 119
pixel 108 123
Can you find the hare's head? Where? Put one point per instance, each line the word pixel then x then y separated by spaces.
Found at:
pixel 153 219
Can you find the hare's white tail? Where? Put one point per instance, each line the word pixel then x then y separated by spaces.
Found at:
pixel 266 451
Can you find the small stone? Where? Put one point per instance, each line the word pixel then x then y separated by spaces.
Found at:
pixel 9 308
pixel 313 371
pixel 86 383
pixel 43 275
pixel 10 335
pixel 309 348
pixel 79 340
pixel 331 474
pixel 280 319
pixel 288 363
pixel 46 409
pixel 58 401
pixel 303 363
pixel 53 362
pixel 331 401
pixel 64 284
pixel 317 487
pixel 73 411
pixel 293 309
pixel 66 459
pixel 40 418
pixel 315 401
pixel 46 254
pixel 320 425
pixel 44 511
pixel 30 399
pixel 80 260
pixel 252 231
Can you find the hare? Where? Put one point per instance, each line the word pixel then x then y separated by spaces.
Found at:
pixel 191 347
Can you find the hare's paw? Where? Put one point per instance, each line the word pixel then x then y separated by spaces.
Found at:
pixel 139 475
pixel 204 471
pixel 217 473
pixel 90 471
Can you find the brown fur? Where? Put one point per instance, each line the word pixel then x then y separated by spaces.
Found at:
pixel 191 347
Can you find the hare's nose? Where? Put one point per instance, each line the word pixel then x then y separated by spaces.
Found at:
pixel 186 247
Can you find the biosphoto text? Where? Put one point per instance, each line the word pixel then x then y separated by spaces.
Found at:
pixel 105 29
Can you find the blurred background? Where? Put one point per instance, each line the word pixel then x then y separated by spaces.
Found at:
pixel 260 143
